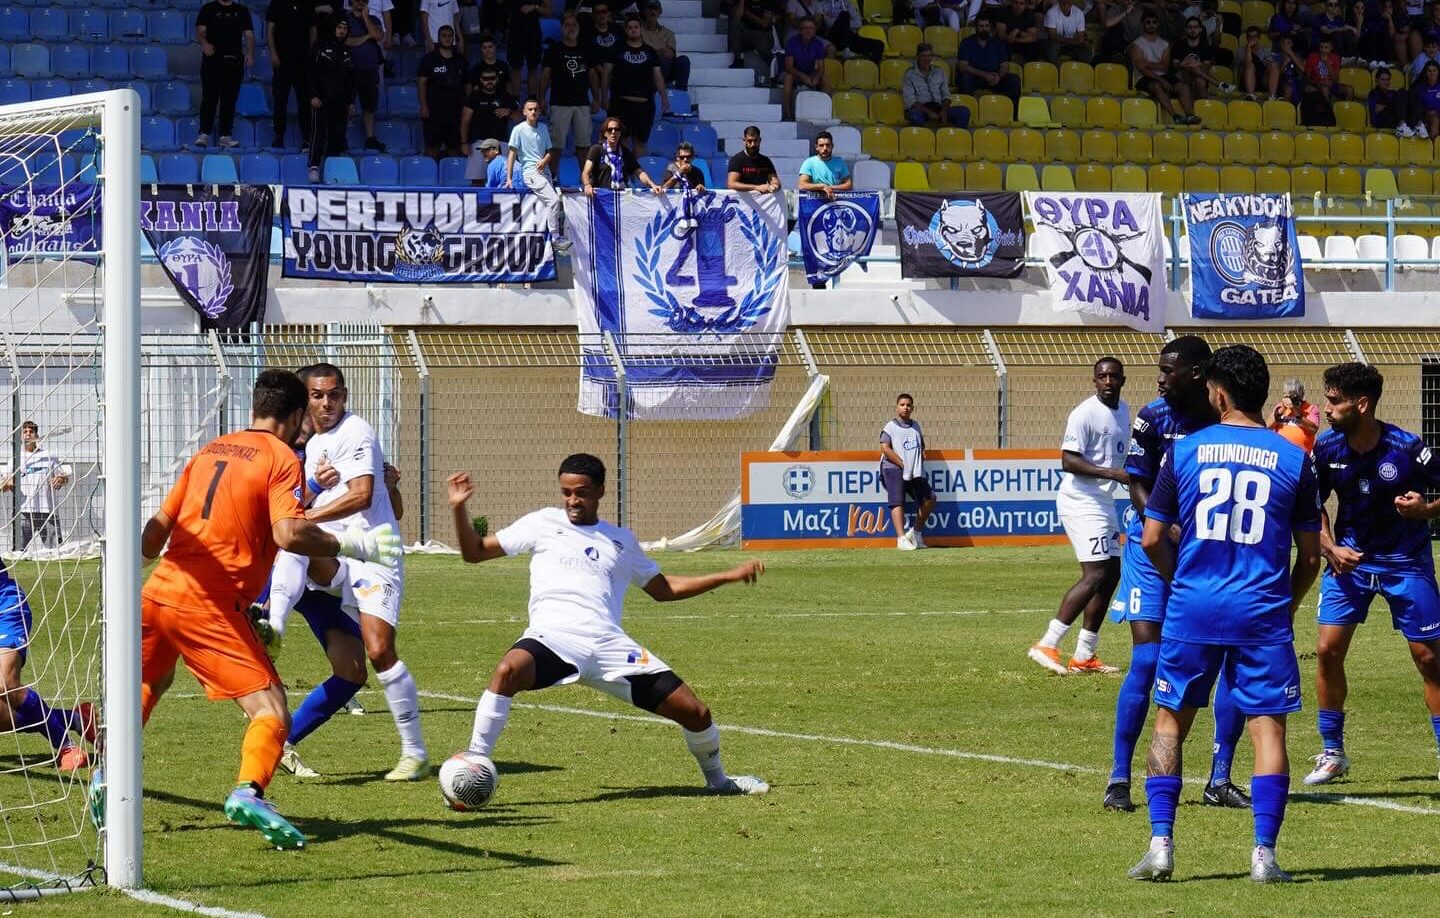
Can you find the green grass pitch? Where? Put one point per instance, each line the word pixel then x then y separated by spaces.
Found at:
pixel 920 764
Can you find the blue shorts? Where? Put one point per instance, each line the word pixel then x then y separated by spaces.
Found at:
pixel 15 624
pixel 1412 596
pixel 323 612
pixel 1141 594
pixel 1263 679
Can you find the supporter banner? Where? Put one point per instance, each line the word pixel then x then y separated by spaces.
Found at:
pixel 960 235
pixel 214 245
pixel 694 289
pixel 1244 257
pixel 1104 254
pixel 416 235
pixel 835 233
pixel 50 219
pixel 836 499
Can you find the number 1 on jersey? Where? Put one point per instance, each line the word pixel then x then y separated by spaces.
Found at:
pixel 210 492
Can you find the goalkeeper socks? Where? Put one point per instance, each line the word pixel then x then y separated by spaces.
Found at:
pixel 491 715
pixel 1332 730
pixel 1229 725
pixel 1054 634
pixel 260 751
pixel 1131 708
pixel 1268 796
pixel 323 702
pixel 1163 794
pixel 1085 646
pixel 34 716
pixel 404 700
pixel 705 746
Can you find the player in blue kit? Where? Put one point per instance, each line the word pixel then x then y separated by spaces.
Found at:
pixel 1378 544
pixel 1240 494
pixel 1182 409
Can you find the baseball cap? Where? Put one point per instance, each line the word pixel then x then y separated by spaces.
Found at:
pixel 490 143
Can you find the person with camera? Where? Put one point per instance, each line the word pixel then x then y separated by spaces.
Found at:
pixel 1294 418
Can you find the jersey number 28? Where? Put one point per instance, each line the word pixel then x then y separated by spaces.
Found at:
pixel 1233 506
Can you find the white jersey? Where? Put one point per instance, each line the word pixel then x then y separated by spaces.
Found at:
pixel 1101 434
pixel 352 447
pixel 578 574
pixel 37 467
pixel 908 443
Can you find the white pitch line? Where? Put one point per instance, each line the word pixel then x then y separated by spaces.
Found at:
pixel 148 896
pixel 514 620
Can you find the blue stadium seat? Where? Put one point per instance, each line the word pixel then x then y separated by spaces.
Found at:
pixel 169 27
pixel 340 170
pixel 664 136
pixel 703 137
pixel 263 70
pixel 14 24
pixel 5 61
pixel 654 166
pixel 50 23
pixel 549 31
pixel 452 171
pixel 49 89
pixel 244 132
pixel 111 62
pixel 379 170
pixel 128 25
pixel 173 98
pixel 407 63
pixel 179 169
pixel 704 168
pixel 188 4
pixel 396 135
pixel 218 169
pixel 404 102
pixel 74 3
pixel 12 91
pixel 71 61
pixel 420 171
pixel 148 173
pixel 157 134
pixel 253 101
pixel 187 128
pixel 141 89
pixel 719 169
pixel 90 25
pixel 30 60
pixel 294 169
pixel 679 104
pixel 88 86
pixel 89 172
pixel 569 172
pixel 259 169
pixel 150 63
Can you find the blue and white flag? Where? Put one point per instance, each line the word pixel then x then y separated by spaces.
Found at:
pixel 1244 257
pixel 833 234
pixel 694 292
pixel 37 220
pixel 1104 254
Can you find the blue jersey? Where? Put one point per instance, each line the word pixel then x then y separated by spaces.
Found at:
pixel 1154 429
pixel 1238 493
pixel 1367 485
pixel 11 595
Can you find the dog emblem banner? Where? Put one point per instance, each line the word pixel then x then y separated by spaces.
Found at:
pixel 214 245
pixel 833 234
pixel 692 288
pixel 1244 257
pixel 49 219
pixel 960 235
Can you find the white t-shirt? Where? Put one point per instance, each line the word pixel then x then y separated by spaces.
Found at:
pixel 352 447
pixel 442 13
pixel 1065 26
pixel 36 469
pixel 1102 435
pixel 909 443
pixel 578 574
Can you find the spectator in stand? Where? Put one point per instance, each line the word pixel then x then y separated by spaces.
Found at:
pixel 634 78
pixel 752 30
pixel 1122 21
pixel 1427 26
pixel 527 165
pixel 331 83
pixel 227 42
pixel 1208 12
pixel 434 16
pixel 289 24
pixel 1388 109
pixel 835 21
pixel 751 170
pixel 489 150
pixel 936 12
pixel 1288 20
pixel 610 164
pixel 489 60
pixel 683 172
pixel 1252 62
pixel 1294 418
pixel 1322 85
pixel 1065 34
pixel 384 10
pixel 1285 71
pixel 603 39
pixel 926 92
pixel 1019 27
pixel 1430 52
pixel 805 54
pixel 824 173
pixel 1194 59
pixel 1332 24
pixel 490 111
pixel 983 64
pixel 366 35
pixel 675 68
pixel 1425 106
pixel 1380 39
pixel 522 44
pixel 440 84
pixel 1150 60
pixel 570 78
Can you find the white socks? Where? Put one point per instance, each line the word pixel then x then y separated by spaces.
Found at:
pixel 705 746
pixel 1054 634
pixel 404 700
pixel 1085 646
pixel 490 716
pixel 287 583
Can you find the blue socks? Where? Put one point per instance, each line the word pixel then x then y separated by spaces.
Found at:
pixel 1332 729
pixel 1163 794
pixel 1268 796
pixel 1131 708
pixel 34 716
pixel 1229 725
pixel 320 705
pixel 1435 726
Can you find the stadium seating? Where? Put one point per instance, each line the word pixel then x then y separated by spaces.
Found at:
pixel 917 144
pixel 178 169
pixel 1064 145
pixel 452 171
pixel 983 176
pixel 30 60
pixel 880 142
pixel 911 176
pixel 259 169
pixel 70 61
pixel 294 169
pixel 218 169
pixel 379 170
pixel 419 170
pixel 1057 178
pixel 946 176
pixel 169 27
pixel 953 144
pixel 871 175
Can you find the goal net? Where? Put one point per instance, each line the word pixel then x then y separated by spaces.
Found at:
pixel 69 643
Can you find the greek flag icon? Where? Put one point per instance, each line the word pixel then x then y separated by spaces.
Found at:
pixel 799 481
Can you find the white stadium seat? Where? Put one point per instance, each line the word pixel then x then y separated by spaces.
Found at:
pixel 872 175
pixel 1309 249
pixel 1340 249
pixel 847 142
pixel 1409 247
pixel 1371 247
pixel 813 107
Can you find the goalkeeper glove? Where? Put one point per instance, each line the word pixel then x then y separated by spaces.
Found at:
pixel 271 638
pixel 381 545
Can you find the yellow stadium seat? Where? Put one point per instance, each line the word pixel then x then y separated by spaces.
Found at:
pixel 965 100
pixel 945 41
pixel 1242 148
pixel 1237 179
pixel 1305 207
pixel 858 73
pixel 850 108
pixel 1312 149
pixel 1344 209
pixel 1112 80
pixel 1077 78
pixel 1278 115
pixel 1135 147
pixel 1034 112
pixel 953 144
pixel 887 108
pixel 1307 180
pixel 1092 177
pixel 983 177
pixel 1230 6
pixel 1027 145
pixel 834 73
pixel 1062 145
pixel 1272 180
pixel 1021 177
pixel 1256 13
pixel 1170 147
pixel 1166 179
pixel 1128 178
pixel 946 176
pixel 892 73
pixel 1345 180
pixel 1139 113
pixel 917 144
pixel 1057 178
pixel 1347 149
pixel 1417 151
pixel 911 177
pixel 1380 149
pixel 1351 116
pixel 1380 183
pixel 996 110
pixel 1102 112
pixel 878 11
pixel 991 145
pixel 901 41
pixel 1357 79
pixel 1243 115
pixel 880 142
pixel 1201 179
pixel 1277 147
pixel 1225 74
pixel 1414 180
pixel 966 32
pixel 1068 111
pixel 1213 114
pixel 1206 148
pixel 1099 147
pixel 1041 76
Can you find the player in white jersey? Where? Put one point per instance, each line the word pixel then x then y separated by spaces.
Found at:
pixel 1092 455
pixel 580 567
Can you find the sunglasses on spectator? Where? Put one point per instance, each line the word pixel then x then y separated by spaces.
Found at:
pixel 611 130
pixel 683 158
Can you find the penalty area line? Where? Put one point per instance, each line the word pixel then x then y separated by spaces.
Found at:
pixel 147 896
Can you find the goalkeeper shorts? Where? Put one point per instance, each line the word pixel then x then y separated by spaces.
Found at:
pixel 220 647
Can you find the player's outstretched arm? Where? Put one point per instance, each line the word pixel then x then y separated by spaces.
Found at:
pixel 670 587
pixel 473 548
pixel 155 535
pixel 1306 569
pixel 381 544
pixel 360 491
pixel 1156 542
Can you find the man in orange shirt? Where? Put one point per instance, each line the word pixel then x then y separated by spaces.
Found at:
pixel 237 502
pixel 1294 418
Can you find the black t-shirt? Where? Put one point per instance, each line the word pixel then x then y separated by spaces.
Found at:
pixel 290 21
pixel 522 25
pixel 691 174
pixel 502 70
pixel 754 170
pixel 600 168
pixel 225 27
pixel 1015 23
pixel 569 73
pixel 603 44
pixel 444 79
pixel 483 121
pixel 1183 49
pixel 634 72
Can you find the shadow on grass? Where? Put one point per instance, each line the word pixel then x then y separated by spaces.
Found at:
pixel 627 793
pixel 1388 871
pixel 1337 796
pixel 357 778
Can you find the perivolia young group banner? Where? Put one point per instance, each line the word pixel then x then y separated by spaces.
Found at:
pixel 214 245
pixel 50 219
pixel 960 235
pixel 835 232
pixel 1244 257
pixel 416 235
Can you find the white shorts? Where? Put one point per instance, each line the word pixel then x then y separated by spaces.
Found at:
pixel 1092 525
pixel 377 590
pixel 603 661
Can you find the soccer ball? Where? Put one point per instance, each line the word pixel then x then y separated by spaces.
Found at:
pixel 468 780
